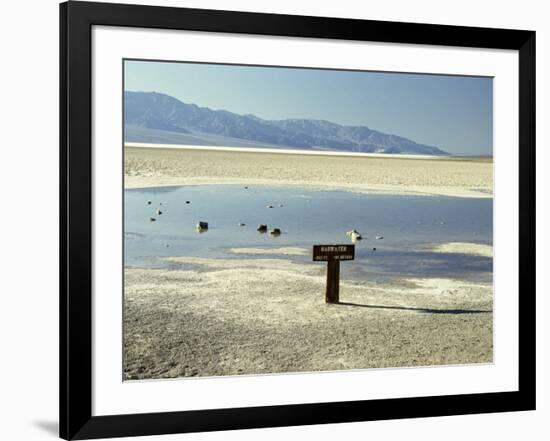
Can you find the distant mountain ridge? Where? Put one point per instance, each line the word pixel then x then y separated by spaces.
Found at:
pixel 154 117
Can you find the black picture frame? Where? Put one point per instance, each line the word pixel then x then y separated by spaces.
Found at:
pixel 75 412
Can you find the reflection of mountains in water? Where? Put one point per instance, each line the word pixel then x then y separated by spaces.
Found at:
pixel 151 117
pixel 133 236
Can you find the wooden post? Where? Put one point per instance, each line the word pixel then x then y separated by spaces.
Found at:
pixel 333 282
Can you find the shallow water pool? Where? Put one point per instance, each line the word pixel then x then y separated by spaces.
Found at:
pixel 409 225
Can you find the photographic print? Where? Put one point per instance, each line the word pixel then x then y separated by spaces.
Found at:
pixel 290 220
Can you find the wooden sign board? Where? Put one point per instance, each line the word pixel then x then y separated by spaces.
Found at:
pixel 333 254
pixel 327 253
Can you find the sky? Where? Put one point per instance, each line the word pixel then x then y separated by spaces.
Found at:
pixel 454 113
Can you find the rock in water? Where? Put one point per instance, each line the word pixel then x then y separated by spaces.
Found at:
pixel 202 226
pixel 354 235
pixel 242 225
pixel 152 219
pixel 262 228
pixel 379 237
pixel 159 212
pixel 187 202
pixel 269 206
pixel 148 202
pixel 275 232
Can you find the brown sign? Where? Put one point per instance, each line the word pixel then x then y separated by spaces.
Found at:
pixel 327 253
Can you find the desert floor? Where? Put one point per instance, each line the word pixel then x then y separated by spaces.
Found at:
pixel 267 315
pixel 466 177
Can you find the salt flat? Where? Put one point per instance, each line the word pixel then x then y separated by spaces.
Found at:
pixel 264 316
pixel 215 317
pixel 459 177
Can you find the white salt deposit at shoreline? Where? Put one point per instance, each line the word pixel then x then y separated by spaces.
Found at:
pixel 286 251
pixel 474 249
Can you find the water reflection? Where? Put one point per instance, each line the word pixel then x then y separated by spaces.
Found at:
pixel 394 229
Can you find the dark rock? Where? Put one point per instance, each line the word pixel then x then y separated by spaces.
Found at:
pixel 201 225
pixel 262 228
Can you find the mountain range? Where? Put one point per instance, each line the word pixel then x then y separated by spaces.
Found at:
pixel 152 117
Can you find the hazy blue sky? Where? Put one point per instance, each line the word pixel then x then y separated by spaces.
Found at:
pixel 453 113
